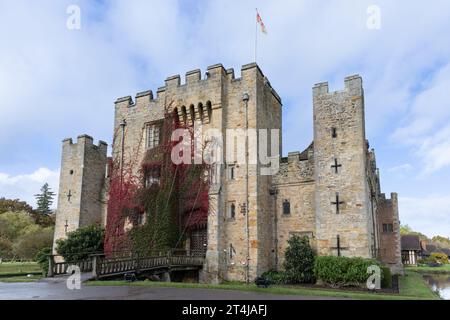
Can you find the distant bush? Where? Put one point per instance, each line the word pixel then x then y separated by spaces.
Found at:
pixel 15 224
pixel 5 248
pixel 27 246
pixel 81 243
pixel 343 271
pixel 438 257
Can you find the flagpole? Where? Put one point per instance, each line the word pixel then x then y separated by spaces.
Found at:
pixel 256 34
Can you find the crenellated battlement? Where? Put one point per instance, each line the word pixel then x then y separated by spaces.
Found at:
pixel 352 84
pixel 194 83
pixel 86 141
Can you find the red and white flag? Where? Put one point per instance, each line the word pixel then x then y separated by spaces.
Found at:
pixel 261 23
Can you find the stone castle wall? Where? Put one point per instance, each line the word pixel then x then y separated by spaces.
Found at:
pixel 295 184
pixel 81 187
pixel 390 244
pixel 342 112
pixel 305 179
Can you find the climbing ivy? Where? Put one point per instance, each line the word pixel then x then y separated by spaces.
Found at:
pixel 175 205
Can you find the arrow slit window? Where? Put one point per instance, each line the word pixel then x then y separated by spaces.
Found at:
pixel 286 207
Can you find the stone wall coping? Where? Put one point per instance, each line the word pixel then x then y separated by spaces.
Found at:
pixel 85 136
pixel 145 93
pixel 214 66
pixel 123 99
pixel 192 72
pixel 177 76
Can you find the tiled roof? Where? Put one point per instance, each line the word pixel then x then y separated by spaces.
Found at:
pixel 410 242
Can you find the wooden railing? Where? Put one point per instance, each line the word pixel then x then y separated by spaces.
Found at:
pixel 59 268
pixel 105 267
pixel 109 267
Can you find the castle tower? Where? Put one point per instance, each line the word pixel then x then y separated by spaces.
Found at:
pixel 81 186
pixel 344 224
pixel 238 245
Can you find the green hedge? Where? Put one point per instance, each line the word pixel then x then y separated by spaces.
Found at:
pixel 343 271
pixel 275 277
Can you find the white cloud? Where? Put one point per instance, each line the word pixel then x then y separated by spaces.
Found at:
pixel 427 125
pixel 57 83
pixel 401 168
pixel 429 215
pixel 25 186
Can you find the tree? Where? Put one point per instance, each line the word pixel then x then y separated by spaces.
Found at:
pixel 405 230
pixel 45 200
pixel 9 205
pixel 5 248
pixel 442 242
pixel 299 261
pixel 15 224
pixel 28 245
pixel 81 243
pixel 44 220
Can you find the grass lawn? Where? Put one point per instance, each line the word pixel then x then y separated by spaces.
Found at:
pixel 443 269
pixel 412 287
pixel 19 268
pixel 413 284
pixel 20 279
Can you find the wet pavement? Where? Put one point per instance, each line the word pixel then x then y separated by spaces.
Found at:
pixel 56 289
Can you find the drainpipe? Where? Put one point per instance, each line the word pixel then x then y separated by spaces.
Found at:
pixel 374 226
pixel 274 192
pixel 246 98
pixel 122 144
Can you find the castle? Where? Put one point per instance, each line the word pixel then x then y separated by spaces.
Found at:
pixel 330 192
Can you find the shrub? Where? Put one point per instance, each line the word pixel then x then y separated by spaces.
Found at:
pixel 5 249
pixel 81 243
pixel 299 261
pixel 27 246
pixel 437 257
pixel 274 277
pixel 386 279
pixel 343 271
pixel 42 259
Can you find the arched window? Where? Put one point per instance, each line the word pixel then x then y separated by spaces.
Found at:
pixel 286 207
pixel 200 111
pixel 183 114
pixel 192 113
pixel 209 110
pixel 175 115
pixel 232 210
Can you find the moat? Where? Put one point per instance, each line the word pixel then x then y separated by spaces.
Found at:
pixel 439 283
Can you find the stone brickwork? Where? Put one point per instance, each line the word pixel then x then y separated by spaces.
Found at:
pixel 81 198
pixel 246 245
pixel 390 244
pixel 339 134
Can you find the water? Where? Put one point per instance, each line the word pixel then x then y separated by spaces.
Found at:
pixel 439 283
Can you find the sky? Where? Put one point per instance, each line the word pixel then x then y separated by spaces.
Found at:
pixel 59 81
